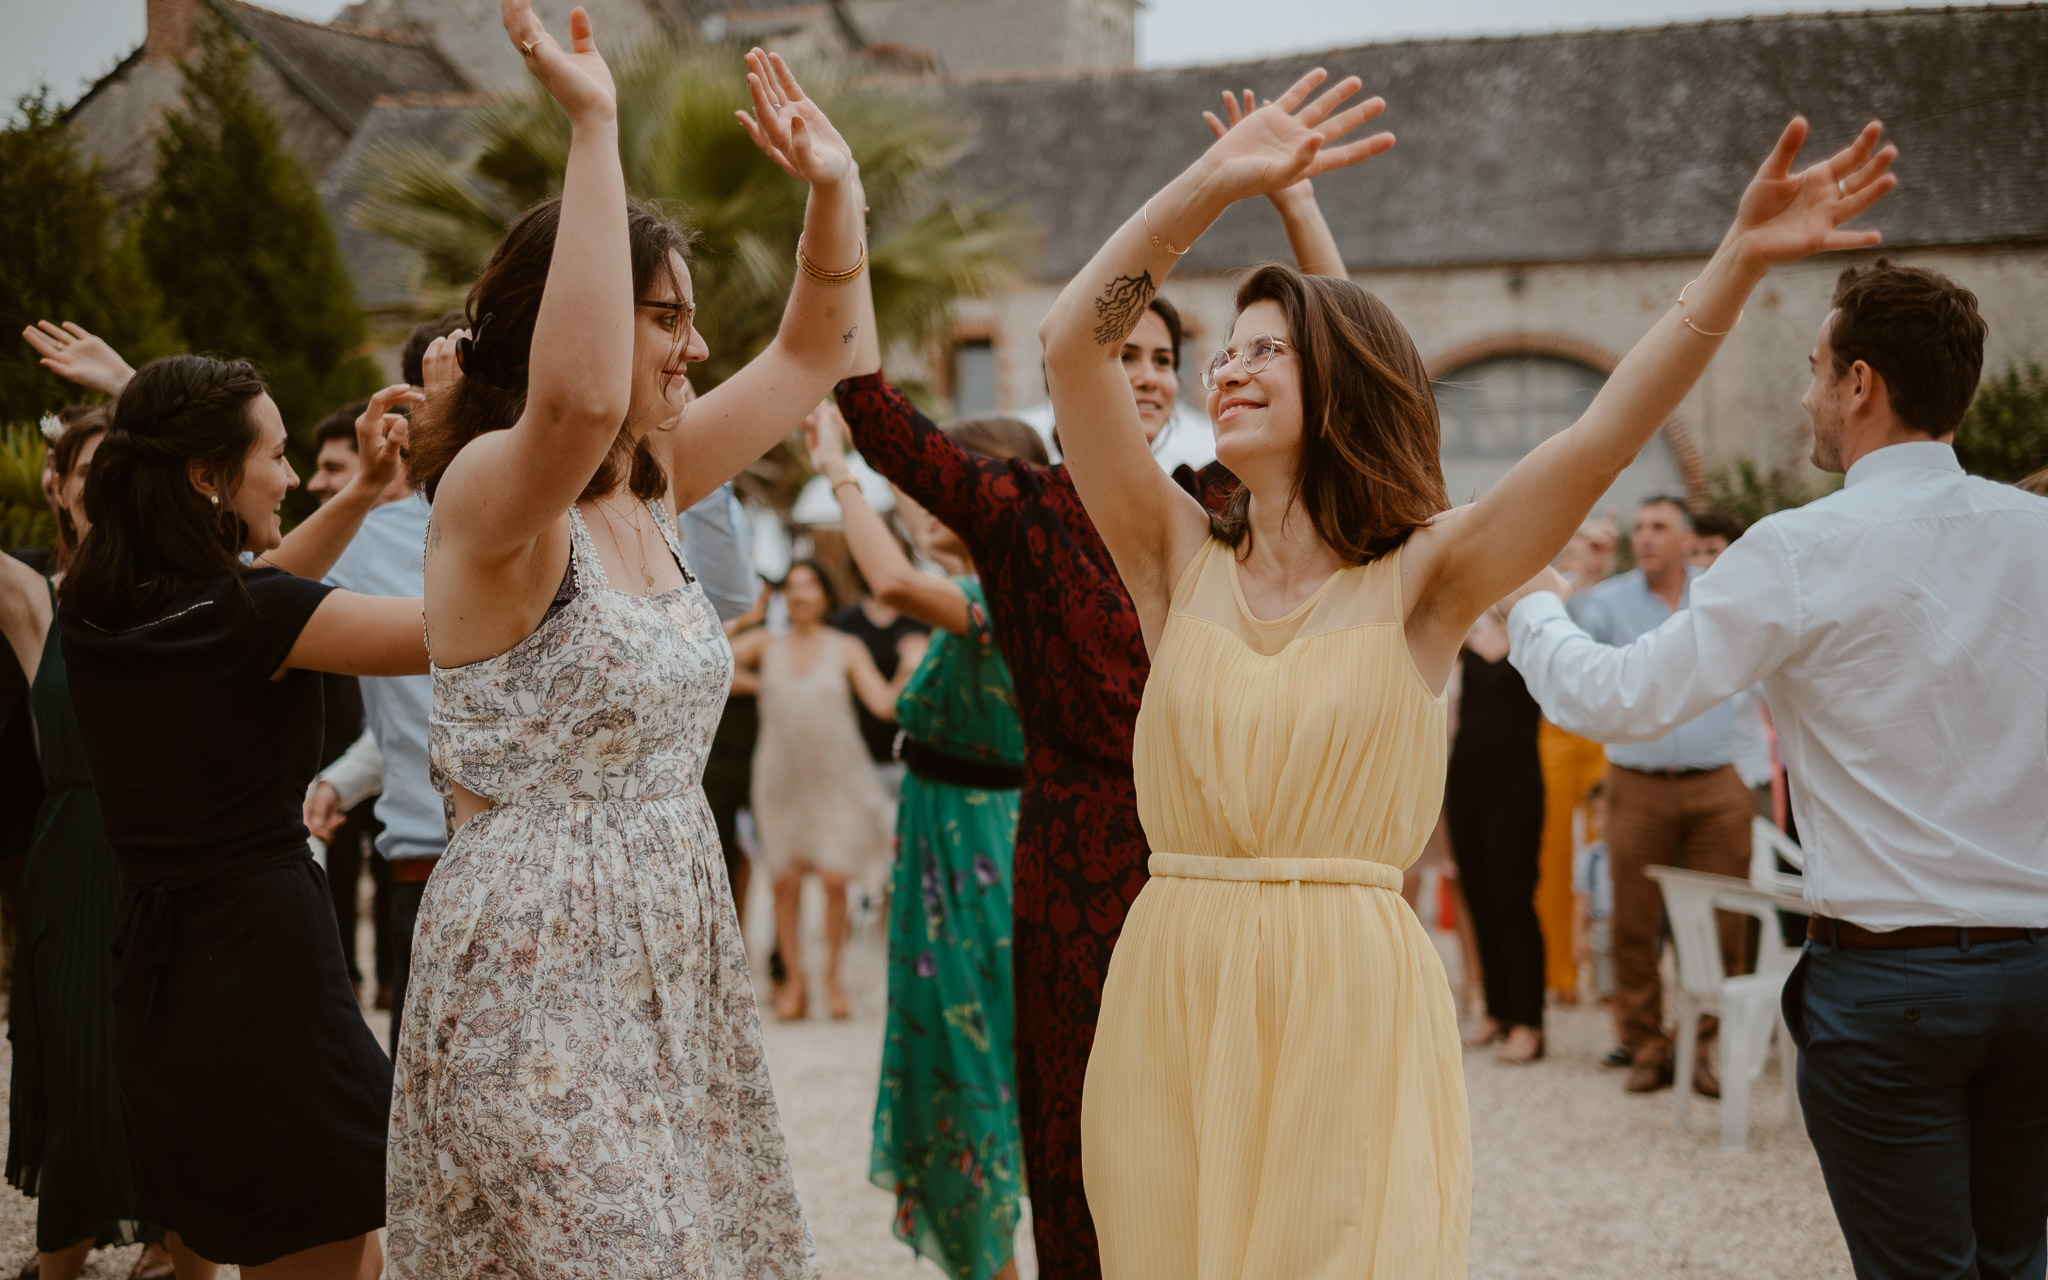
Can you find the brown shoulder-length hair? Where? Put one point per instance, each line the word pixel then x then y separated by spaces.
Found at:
pixel 503 305
pixel 82 425
pixel 1370 472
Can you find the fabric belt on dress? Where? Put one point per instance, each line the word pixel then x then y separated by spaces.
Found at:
pixel 935 765
pixel 147 927
pixel 1188 866
pixel 1840 933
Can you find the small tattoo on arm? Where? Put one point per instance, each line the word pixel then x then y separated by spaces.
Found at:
pixel 1121 306
pixel 849 334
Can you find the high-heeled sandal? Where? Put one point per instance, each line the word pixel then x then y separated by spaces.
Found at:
pixel 1516 1059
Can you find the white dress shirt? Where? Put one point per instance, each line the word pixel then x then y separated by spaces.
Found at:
pixel 1900 631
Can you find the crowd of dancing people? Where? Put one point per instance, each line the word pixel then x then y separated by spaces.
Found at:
pixel 1154 753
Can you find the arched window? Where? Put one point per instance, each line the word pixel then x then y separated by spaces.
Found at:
pixel 1496 410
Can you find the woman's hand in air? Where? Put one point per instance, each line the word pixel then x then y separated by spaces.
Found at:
pixel 78 356
pixel 1235 109
pixel 825 436
pixel 576 77
pixel 1292 139
pixel 1785 216
pixel 380 437
pixel 441 367
pixel 792 128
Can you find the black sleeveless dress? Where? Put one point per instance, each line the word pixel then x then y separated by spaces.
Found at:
pixel 1493 802
pixel 257 1098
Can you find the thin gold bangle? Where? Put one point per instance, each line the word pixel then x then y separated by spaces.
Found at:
pixel 822 276
pixel 846 481
pixel 1687 322
pixel 1145 212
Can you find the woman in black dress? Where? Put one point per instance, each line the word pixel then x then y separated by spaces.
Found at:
pixel 1493 801
pixel 256 1097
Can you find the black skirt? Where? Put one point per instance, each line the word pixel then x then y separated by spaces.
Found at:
pixel 257 1099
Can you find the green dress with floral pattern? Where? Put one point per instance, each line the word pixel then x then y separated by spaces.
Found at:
pixel 946 1141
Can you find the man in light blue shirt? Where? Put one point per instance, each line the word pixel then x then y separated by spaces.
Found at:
pixel 1677 801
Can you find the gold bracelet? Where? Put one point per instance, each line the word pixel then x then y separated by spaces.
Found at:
pixel 845 481
pixel 822 276
pixel 1684 320
pixel 1145 212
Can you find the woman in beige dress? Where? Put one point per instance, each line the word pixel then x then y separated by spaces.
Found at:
pixel 1275 1087
pixel 817 804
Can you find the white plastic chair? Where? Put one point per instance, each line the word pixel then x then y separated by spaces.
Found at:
pixel 1767 845
pixel 1746 1004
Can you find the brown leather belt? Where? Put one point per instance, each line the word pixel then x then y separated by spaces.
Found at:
pixel 412 870
pixel 1840 933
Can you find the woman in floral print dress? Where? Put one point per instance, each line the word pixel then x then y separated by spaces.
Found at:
pixel 580 1090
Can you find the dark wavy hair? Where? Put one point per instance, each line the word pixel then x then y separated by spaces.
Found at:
pixel 1922 333
pixel 817 570
pixel 153 534
pixel 1370 470
pixel 82 425
pixel 503 306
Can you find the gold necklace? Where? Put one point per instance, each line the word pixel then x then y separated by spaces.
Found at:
pixel 639 541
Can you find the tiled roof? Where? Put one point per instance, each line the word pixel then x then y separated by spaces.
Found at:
pixel 342 70
pixel 387 274
pixel 1576 146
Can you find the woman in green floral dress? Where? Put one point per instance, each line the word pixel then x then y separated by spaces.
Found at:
pixel 946 1140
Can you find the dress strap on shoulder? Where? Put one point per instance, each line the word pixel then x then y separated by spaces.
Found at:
pixel 669 531
pixel 583 553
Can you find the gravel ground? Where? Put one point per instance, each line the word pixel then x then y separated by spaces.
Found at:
pixel 1573 1177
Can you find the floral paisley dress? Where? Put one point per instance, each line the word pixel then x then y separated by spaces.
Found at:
pixel 580 1088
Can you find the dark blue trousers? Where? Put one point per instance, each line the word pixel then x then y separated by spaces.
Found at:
pixel 1924 1076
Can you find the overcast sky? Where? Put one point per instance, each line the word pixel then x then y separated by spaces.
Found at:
pixel 70 43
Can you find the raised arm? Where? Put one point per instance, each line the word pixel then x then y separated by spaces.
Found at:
pixel 1308 234
pixel 744 416
pixel 1474 555
pixel 1153 527
pixel 506 487
pixel 311 549
pixel 896 582
pixel 75 355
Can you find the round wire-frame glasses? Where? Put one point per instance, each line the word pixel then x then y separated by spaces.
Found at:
pixel 1258 353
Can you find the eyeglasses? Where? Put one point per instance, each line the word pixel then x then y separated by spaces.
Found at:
pixel 1258 353
pixel 684 312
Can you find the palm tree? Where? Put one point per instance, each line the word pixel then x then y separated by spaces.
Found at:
pixel 684 153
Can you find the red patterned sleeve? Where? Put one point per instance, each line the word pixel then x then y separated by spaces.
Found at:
pixel 967 491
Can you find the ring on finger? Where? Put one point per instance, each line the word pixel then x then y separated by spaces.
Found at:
pixel 1839 188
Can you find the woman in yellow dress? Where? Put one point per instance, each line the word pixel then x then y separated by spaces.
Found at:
pixel 1275 1089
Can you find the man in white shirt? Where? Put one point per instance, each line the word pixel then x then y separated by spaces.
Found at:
pixel 1900 631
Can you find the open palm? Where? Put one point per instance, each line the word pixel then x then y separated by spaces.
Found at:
pixel 1291 139
pixel 576 77
pixel 790 126
pixel 1785 215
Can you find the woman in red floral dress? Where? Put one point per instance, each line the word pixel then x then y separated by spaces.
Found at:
pixel 1070 636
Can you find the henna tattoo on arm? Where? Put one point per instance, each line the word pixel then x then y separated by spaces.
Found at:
pixel 1121 306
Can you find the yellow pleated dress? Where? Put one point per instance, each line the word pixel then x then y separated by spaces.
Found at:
pixel 1275 1089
